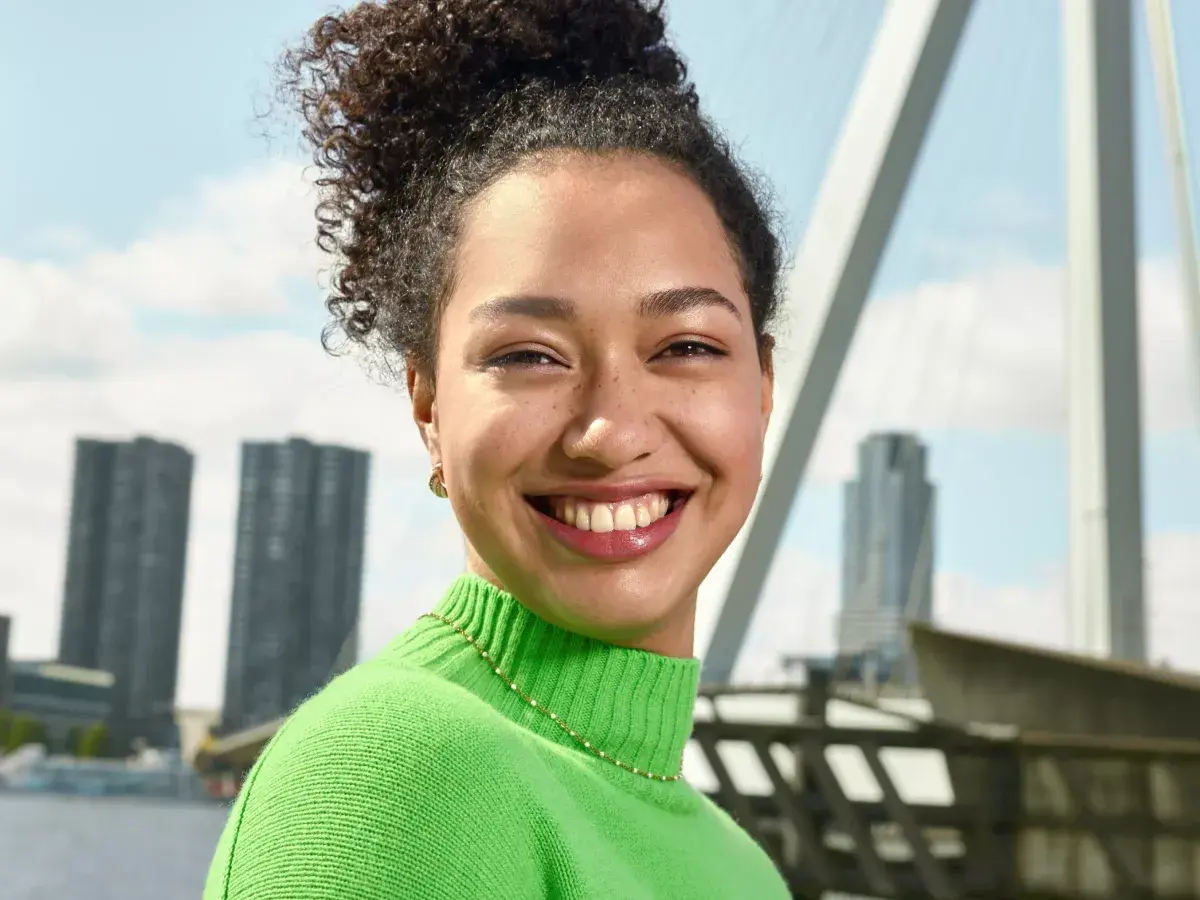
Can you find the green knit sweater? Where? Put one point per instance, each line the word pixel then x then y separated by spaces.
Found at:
pixel 422 774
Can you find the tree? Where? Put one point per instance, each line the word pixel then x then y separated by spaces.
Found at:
pixel 6 718
pixel 94 741
pixel 74 737
pixel 25 729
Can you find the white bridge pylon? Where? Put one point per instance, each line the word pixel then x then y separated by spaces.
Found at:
pixel 853 217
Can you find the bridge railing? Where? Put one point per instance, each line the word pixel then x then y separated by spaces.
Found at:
pixel 1030 816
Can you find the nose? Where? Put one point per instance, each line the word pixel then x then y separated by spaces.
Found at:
pixel 616 423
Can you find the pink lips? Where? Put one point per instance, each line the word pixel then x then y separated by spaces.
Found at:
pixel 615 545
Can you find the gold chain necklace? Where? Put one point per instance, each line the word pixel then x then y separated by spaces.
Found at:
pixel 578 738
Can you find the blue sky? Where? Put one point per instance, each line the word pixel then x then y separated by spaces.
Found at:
pixel 123 104
pixel 115 111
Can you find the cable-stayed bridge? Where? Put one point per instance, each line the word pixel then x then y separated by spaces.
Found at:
pixel 872 164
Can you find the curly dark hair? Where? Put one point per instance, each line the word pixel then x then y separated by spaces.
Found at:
pixel 413 107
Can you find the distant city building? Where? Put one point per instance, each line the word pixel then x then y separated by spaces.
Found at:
pixel 297 578
pixel 887 574
pixel 123 592
pixel 194 727
pixel 5 683
pixel 61 697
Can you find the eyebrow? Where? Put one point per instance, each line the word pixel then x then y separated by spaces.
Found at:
pixel 656 305
pixel 661 304
pixel 529 306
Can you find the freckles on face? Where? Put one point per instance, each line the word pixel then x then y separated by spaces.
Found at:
pixel 597 339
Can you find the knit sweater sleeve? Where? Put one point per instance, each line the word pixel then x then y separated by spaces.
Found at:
pixel 382 786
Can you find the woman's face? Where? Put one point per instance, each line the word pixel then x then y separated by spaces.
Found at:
pixel 599 404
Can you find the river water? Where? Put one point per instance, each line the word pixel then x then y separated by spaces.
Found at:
pixel 84 848
pixel 64 848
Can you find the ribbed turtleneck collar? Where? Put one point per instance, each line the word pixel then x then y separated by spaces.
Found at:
pixel 633 705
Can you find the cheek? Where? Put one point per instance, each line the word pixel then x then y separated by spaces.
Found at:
pixel 486 436
pixel 725 426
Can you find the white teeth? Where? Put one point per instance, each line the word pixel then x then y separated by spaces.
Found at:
pixel 602 519
pixel 624 517
pixel 628 515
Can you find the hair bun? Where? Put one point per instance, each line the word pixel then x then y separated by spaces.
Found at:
pixel 404 78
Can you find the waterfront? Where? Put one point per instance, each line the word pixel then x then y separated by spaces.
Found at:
pixel 55 847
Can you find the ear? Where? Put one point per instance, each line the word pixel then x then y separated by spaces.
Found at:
pixel 766 361
pixel 424 409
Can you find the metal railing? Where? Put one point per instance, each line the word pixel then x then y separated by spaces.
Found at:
pixel 1032 815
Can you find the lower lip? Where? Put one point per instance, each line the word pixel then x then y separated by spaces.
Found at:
pixel 615 545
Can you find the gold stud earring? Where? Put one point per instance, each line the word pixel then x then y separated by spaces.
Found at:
pixel 437 484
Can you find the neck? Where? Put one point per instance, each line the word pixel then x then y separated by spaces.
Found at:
pixel 675 637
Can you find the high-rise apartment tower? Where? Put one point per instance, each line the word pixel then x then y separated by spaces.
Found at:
pixel 887 571
pixel 297 579
pixel 123 591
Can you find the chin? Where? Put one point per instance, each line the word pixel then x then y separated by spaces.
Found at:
pixel 618 603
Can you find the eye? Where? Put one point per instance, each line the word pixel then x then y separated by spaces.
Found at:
pixel 522 359
pixel 684 349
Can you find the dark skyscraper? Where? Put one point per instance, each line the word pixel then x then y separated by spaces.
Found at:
pixel 123 592
pixel 5 675
pixel 297 579
pixel 887 574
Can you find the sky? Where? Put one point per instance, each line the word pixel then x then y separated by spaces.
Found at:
pixel 158 276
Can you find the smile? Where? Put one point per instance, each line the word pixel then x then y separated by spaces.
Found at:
pixel 627 515
pixel 616 530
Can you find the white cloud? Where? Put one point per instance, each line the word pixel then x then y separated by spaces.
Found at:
pixel 988 353
pixel 52 320
pixel 232 247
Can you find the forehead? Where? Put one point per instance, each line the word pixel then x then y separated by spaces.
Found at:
pixel 583 226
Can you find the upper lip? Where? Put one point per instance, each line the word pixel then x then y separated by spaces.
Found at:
pixel 617 491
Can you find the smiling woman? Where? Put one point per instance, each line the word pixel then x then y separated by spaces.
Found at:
pixel 533 221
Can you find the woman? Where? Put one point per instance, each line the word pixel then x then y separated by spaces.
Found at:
pixel 528 211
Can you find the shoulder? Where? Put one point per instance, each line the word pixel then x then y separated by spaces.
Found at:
pixel 396 725
pixel 378 713
pixel 725 822
pixel 744 850
pixel 366 787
